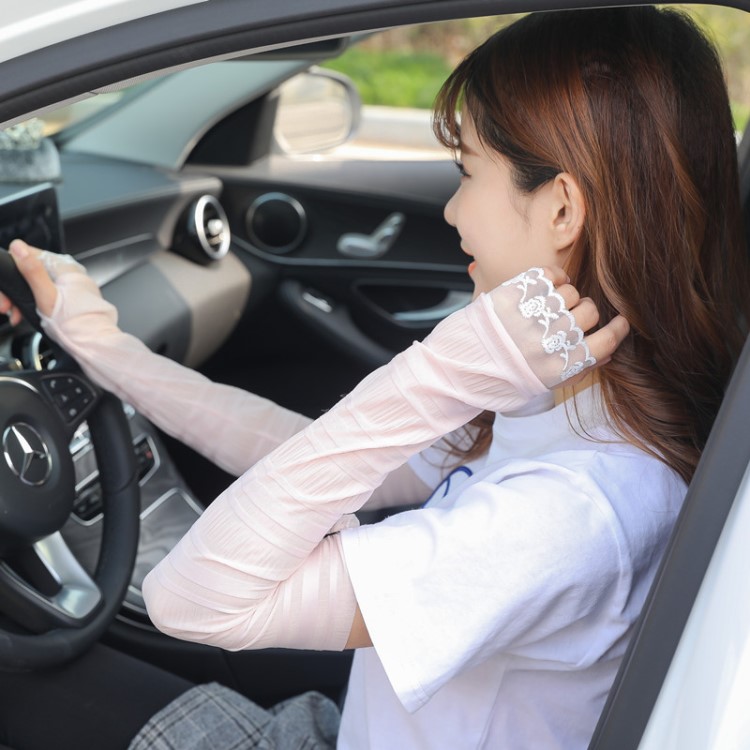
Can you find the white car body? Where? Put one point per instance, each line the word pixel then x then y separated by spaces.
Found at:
pixel 35 24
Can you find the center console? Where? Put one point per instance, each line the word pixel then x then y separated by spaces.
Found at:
pixel 168 508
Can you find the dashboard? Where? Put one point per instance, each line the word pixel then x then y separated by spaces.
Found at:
pixel 158 244
pixel 140 232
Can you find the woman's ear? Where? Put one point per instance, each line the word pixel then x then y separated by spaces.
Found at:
pixel 568 211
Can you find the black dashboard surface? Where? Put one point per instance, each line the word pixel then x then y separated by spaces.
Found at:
pixel 112 216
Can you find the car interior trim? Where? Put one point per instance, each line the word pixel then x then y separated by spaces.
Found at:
pixel 363 265
pixel 280 219
pixel 190 510
pixel 208 236
pixel 134 602
pixel 216 296
pixel 162 317
pixel 116 245
pixel 79 596
pixel 417 183
pixel 709 499
pixel 84 447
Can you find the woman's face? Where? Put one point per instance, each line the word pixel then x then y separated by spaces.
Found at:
pixel 506 232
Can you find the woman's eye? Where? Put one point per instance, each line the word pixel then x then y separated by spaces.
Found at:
pixel 461 169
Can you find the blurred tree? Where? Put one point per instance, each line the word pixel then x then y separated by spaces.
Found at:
pixel 440 46
pixel 729 29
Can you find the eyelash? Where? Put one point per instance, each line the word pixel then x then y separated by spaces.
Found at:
pixel 461 169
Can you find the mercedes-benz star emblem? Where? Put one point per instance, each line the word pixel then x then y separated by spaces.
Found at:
pixel 27 454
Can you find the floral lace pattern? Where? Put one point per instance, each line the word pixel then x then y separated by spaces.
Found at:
pixel 560 333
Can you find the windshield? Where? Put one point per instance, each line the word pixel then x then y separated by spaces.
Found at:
pixel 72 114
pixel 61 118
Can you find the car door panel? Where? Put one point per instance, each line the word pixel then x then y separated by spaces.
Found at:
pixel 371 307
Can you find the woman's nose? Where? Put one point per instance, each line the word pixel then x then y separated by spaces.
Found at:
pixel 449 212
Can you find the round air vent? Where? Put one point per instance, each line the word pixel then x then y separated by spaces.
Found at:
pixel 276 222
pixel 204 233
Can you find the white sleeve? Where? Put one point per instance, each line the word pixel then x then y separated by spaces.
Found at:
pixel 507 568
pixel 257 536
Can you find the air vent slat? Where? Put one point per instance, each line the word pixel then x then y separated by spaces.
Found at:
pixel 203 234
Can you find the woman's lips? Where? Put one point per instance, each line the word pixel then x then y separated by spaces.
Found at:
pixel 471 266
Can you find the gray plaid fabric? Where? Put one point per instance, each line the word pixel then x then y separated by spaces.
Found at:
pixel 213 717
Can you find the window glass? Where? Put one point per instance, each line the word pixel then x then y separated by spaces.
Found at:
pixel 729 28
pixel 398 72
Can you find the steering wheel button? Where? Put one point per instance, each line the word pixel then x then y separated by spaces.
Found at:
pixel 62 399
pixel 88 503
pixel 60 383
pixel 70 394
pixel 79 401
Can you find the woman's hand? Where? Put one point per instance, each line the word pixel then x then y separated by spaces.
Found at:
pixel 40 269
pixel 548 319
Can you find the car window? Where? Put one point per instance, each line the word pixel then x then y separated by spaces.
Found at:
pixel 398 73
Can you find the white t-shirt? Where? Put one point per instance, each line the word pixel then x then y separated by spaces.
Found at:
pixel 500 611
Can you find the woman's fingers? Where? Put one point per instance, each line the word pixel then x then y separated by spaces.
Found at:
pixel 7 308
pixel 583 309
pixel 30 265
pixel 548 319
pixel 556 275
pixel 586 313
pixel 604 342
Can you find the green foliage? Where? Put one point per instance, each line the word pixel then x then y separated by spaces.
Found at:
pixel 740 115
pixel 394 78
pixel 404 67
pixel 729 30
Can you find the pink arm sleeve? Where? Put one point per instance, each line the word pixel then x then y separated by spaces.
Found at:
pixel 230 426
pixel 227 580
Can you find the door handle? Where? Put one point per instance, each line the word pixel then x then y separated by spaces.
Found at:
pixel 355 245
pixel 334 322
pixel 432 315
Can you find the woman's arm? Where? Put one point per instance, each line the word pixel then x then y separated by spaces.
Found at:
pixel 230 426
pixel 258 568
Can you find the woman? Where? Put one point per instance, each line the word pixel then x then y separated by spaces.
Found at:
pixel 598 142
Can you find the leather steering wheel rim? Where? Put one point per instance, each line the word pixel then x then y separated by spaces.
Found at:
pixel 110 436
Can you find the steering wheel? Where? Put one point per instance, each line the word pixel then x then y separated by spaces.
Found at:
pixel 51 609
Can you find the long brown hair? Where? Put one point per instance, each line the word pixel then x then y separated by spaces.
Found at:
pixel 632 103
